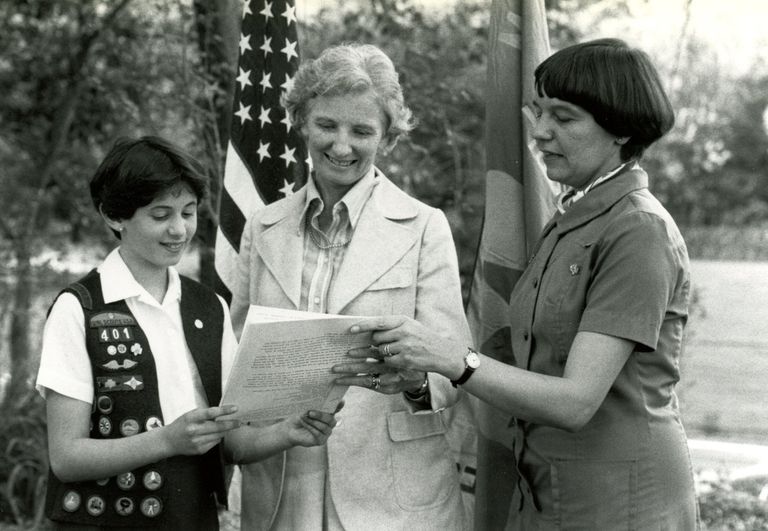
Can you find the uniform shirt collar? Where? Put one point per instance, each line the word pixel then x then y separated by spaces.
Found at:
pixel 603 197
pixel 118 283
pixel 354 200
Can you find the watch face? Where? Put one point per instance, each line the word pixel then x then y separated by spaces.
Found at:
pixel 472 359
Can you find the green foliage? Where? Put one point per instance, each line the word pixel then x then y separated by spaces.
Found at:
pixel 24 461
pixel 727 242
pixel 128 76
pixel 725 508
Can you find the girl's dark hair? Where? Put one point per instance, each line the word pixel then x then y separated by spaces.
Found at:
pixel 135 172
pixel 616 84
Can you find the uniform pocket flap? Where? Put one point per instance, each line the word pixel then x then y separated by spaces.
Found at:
pixel 406 426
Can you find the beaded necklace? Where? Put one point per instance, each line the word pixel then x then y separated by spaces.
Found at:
pixel 309 228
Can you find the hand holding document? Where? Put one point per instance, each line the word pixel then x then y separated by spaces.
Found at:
pixel 283 363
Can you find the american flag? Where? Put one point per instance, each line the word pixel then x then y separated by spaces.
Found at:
pixel 519 199
pixel 265 155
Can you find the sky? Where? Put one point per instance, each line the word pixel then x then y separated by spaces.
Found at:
pixel 736 28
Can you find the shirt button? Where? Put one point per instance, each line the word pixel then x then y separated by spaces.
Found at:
pixel 317 300
pixel 535 282
pixel 525 335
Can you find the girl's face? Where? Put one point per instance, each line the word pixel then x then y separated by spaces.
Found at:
pixel 157 234
pixel 576 149
pixel 344 134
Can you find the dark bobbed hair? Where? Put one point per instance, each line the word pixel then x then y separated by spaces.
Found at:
pixel 136 171
pixel 616 84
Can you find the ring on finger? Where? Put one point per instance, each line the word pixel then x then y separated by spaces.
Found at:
pixel 387 353
pixel 375 382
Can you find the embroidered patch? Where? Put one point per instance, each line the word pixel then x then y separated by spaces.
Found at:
pixel 151 506
pixel 128 382
pixel 152 480
pixel 124 506
pixel 152 423
pixel 111 319
pixel 95 505
pixel 104 404
pixel 71 501
pixel 129 427
pixel 126 481
pixel 115 333
pixel 105 426
pixel 115 365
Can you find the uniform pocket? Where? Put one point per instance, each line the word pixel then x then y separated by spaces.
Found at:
pixel 422 464
pixel 589 495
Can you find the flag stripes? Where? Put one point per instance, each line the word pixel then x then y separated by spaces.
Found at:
pixel 265 155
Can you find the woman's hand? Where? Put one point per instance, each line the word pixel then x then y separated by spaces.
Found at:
pixel 312 428
pixel 199 430
pixel 403 350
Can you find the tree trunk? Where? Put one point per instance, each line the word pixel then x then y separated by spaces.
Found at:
pixel 218 26
pixel 21 315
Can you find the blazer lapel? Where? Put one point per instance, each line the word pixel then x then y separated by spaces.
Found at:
pixel 281 244
pixel 378 244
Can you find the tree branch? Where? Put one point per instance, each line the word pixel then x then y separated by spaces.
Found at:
pixel 65 116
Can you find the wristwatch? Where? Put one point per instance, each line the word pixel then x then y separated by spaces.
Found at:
pixel 471 363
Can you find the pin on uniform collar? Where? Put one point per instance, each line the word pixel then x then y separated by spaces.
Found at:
pixel 198 324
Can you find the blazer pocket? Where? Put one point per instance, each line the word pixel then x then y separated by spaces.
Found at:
pixel 397 277
pixel 424 473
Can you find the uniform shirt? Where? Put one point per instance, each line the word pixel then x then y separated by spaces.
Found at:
pixel 614 263
pixel 64 363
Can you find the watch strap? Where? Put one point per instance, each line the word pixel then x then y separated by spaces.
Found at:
pixel 468 371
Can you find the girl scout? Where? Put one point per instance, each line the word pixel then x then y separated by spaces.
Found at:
pixel 131 363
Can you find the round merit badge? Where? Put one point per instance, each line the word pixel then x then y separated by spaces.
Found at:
pixel 151 507
pixel 153 422
pixel 126 481
pixel 124 506
pixel 71 501
pixel 104 404
pixel 95 505
pixel 129 427
pixel 152 480
pixel 105 426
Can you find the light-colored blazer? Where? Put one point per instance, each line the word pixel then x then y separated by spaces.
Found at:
pixel 389 467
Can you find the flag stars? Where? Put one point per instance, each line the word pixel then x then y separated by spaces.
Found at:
pixel 289 14
pixel 245 43
pixel 244 113
pixel 265 81
pixel 244 79
pixel 287 122
pixel 267 11
pixel 287 189
pixel 287 156
pixel 264 117
pixel 267 46
pixel 288 83
pixel 263 151
pixel 290 49
pixel 247 8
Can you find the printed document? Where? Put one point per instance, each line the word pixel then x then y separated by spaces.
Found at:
pixel 283 363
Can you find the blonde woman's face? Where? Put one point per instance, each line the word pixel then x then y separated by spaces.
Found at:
pixel 344 134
